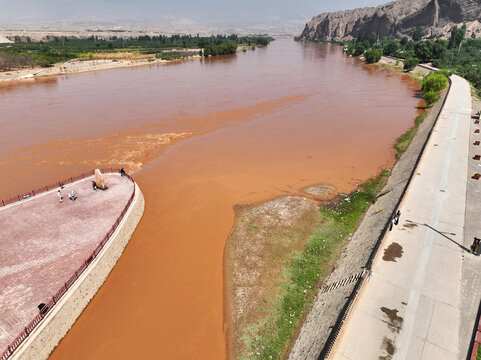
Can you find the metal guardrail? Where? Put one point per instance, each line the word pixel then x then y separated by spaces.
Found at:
pixel 352 297
pixel 53 186
pixel 58 295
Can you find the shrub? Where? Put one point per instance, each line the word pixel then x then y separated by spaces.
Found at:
pixel 435 81
pixel 446 72
pixel 372 56
pixel 410 63
pixel 431 97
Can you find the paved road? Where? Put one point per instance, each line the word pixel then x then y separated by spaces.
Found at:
pixel 410 306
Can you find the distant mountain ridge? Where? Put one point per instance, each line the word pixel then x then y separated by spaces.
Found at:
pixel 397 19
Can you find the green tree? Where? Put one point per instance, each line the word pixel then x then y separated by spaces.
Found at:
pixel 418 34
pixel 457 36
pixel 372 39
pixel 423 51
pixel 359 49
pixel 220 49
pixel 409 45
pixel 404 41
pixel 438 48
pixel 368 39
pixel 391 48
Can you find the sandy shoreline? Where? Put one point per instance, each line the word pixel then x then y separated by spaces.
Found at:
pixel 80 65
pixel 76 66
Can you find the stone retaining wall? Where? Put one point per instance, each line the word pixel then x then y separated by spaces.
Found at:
pixel 48 333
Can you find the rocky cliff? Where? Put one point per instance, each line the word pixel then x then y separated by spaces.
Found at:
pixel 396 19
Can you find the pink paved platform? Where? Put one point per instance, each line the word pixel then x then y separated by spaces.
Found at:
pixel 43 242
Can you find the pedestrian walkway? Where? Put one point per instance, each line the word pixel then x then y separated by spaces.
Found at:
pixel 410 306
pixel 43 242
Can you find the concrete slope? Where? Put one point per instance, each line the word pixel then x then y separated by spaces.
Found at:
pixel 410 305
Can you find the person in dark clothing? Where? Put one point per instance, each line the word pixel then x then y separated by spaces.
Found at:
pixel 396 218
pixel 94 185
pixel 475 246
pixel 122 172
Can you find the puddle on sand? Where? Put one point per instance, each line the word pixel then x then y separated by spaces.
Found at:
pixel 393 252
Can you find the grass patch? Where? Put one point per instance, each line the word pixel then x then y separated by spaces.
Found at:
pixel 478 355
pixel 269 337
pixel 387 66
pixel 405 139
pixel 418 76
pixel 123 55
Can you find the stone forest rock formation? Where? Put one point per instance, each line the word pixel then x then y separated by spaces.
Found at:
pixel 396 19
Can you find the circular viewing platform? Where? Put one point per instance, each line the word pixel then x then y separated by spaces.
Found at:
pixel 47 245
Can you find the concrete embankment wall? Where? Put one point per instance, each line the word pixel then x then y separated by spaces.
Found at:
pixel 420 68
pixel 48 333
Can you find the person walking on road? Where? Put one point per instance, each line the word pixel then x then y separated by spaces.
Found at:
pixel 397 217
pixel 60 197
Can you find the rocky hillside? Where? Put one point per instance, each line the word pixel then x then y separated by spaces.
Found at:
pixel 396 19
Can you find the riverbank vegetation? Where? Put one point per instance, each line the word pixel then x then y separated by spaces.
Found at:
pixel 25 53
pixel 457 54
pixel 413 52
pixel 403 142
pixel 431 87
pixel 224 48
pixel 270 336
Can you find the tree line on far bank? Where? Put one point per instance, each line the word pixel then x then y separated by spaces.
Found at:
pixel 457 54
pixel 26 53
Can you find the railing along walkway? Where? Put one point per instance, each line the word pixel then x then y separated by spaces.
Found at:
pixel 56 297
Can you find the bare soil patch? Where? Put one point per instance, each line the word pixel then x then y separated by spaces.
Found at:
pixel 258 251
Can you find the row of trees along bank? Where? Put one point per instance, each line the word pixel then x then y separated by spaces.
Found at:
pixel 27 53
pixel 457 54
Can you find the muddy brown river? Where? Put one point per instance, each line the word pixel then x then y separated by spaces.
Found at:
pixel 200 137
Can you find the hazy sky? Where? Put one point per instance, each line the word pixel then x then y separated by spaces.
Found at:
pixel 180 13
